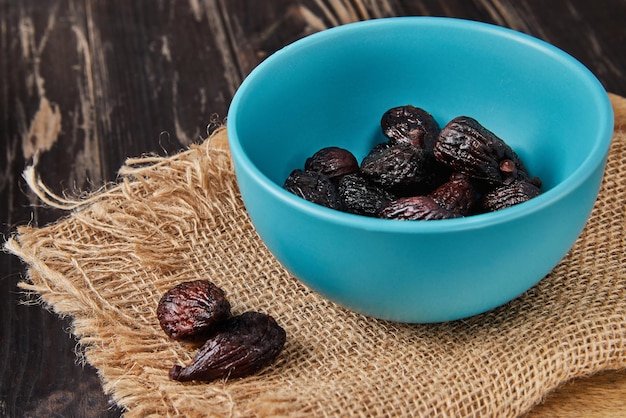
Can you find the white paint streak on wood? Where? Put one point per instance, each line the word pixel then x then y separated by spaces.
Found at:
pixel 506 15
pixel 217 26
pixel 493 11
pixel 351 11
pixel 343 10
pixel 45 125
pixel 44 129
pixel 377 8
pixel 336 12
pixel 94 107
pixel 165 49
pixel 314 23
pixel 26 31
pixel 362 10
pixel 181 135
pixel 27 39
pixel 196 9
pixel 32 50
pixel 339 12
pixel 203 99
pixel 87 161
pixel 99 71
pixel 513 19
pixel 328 14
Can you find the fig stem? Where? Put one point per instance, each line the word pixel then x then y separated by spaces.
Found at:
pixel 507 166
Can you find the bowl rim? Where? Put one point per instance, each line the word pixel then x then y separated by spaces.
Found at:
pixel 596 157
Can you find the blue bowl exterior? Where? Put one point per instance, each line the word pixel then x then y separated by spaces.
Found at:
pixel 431 276
pixel 420 271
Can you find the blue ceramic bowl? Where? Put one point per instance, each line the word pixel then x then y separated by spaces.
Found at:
pixel 331 88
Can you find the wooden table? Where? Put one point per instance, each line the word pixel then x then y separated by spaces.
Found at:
pixel 86 84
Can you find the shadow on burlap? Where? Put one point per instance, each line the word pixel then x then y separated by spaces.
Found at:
pixel 180 218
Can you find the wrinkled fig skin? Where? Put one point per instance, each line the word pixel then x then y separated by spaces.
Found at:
pixel 245 344
pixel 361 197
pixel 509 195
pixel 192 310
pixel 416 208
pixel 314 187
pixel 410 125
pixel 456 195
pixel 468 147
pixel 333 162
pixel 399 169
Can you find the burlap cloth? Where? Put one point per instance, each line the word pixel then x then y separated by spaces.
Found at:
pixel 179 218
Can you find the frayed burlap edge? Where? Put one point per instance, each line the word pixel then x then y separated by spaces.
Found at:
pixel 179 218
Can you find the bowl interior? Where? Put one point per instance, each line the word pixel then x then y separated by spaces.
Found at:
pixel 332 88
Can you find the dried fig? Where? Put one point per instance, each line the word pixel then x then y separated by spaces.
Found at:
pixel 410 125
pixel 509 195
pixel 470 148
pixel 314 187
pixel 416 208
pixel 192 310
pixel 457 195
pixel 400 169
pixel 334 162
pixel 361 197
pixel 242 346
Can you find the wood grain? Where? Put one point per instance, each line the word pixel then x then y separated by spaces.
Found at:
pixel 85 84
pixel 603 395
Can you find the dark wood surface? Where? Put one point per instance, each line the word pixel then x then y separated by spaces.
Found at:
pixel 85 84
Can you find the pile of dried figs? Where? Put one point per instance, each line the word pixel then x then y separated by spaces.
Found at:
pixel 420 172
pixel 232 346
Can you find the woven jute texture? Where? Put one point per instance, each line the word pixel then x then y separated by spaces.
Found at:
pixel 179 218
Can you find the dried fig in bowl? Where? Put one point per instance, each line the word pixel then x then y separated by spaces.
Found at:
pixel 410 125
pixel 470 148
